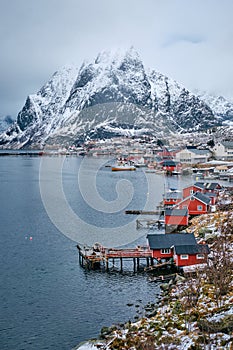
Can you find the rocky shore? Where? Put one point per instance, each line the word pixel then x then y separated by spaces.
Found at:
pixel 195 311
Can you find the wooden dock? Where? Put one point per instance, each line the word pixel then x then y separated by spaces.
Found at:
pixel 149 223
pixel 158 211
pixel 143 212
pixel 99 256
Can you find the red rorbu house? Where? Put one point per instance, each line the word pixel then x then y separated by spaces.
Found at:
pixel 175 218
pixel 197 204
pixel 189 190
pixel 171 197
pixel 169 166
pixel 190 254
pixel 181 247
pixel 212 187
pixel 213 197
pixel 208 187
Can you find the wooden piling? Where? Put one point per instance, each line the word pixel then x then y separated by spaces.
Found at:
pixel 93 257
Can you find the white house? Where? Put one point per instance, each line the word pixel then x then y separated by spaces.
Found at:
pixel 193 155
pixel 223 150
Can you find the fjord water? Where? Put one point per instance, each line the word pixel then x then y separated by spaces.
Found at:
pixel 47 300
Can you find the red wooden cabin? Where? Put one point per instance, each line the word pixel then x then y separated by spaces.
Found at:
pixel 171 198
pixel 196 204
pixel 203 187
pixel 190 254
pixel 177 217
pixel 181 247
pixel 189 190
pixel 168 165
pixel 213 197
pixel 212 187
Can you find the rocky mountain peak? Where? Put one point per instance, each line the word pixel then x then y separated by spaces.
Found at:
pixel 113 90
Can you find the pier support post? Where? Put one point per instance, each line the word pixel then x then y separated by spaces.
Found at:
pixel 107 264
pixel 121 264
pixel 134 265
pixel 147 262
pixel 137 263
pixel 152 261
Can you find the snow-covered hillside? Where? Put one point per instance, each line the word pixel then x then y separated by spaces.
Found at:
pixel 114 92
pixel 5 122
pixel 221 107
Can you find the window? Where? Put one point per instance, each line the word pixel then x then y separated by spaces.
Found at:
pixel 191 191
pixel 192 198
pixel 184 257
pixel 199 207
pixel 165 251
pixel 200 256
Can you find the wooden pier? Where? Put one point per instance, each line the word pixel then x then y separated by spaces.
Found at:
pixel 159 211
pixel 99 256
pixel 149 223
pixel 143 212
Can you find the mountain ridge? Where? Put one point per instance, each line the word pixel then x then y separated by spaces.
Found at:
pixel 115 89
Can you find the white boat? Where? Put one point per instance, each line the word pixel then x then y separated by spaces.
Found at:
pixel 176 172
pixel 123 167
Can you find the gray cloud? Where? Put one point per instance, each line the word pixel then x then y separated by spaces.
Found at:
pixel 191 41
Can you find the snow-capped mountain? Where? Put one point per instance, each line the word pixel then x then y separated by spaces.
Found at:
pixel 5 122
pixel 221 107
pixel 115 94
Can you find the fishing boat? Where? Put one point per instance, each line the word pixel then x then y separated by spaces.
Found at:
pixel 123 166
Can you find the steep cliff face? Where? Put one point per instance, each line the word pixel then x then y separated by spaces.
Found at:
pixel 114 94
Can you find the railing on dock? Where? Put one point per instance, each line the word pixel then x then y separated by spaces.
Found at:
pixel 93 258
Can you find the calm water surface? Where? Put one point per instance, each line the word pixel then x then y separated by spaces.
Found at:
pixel 47 300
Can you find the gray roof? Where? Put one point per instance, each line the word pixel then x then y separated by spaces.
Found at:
pixel 201 197
pixel 199 151
pixel 212 185
pixel 192 249
pixel 210 194
pixel 173 195
pixel 176 212
pixel 199 185
pixel 167 240
pixel 227 144
pixel 207 185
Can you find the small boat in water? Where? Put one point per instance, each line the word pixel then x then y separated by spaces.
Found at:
pixel 123 166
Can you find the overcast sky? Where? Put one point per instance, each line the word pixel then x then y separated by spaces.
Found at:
pixel 189 40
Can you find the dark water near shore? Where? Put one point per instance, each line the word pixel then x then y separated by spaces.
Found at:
pixel 47 300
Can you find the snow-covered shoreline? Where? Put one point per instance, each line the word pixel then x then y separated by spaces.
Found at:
pixel 190 314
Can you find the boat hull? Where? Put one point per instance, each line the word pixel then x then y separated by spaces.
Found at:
pixel 123 168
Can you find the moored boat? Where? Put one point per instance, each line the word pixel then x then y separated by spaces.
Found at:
pixel 123 167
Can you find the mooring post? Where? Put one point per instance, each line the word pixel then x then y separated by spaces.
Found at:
pixel 134 265
pixel 106 264
pixel 121 264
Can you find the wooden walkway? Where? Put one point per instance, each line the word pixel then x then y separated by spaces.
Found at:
pixel 98 256
pixel 150 224
pixel 143 212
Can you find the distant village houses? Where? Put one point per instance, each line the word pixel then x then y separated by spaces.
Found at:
pixel 223 150
pixel 192 155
